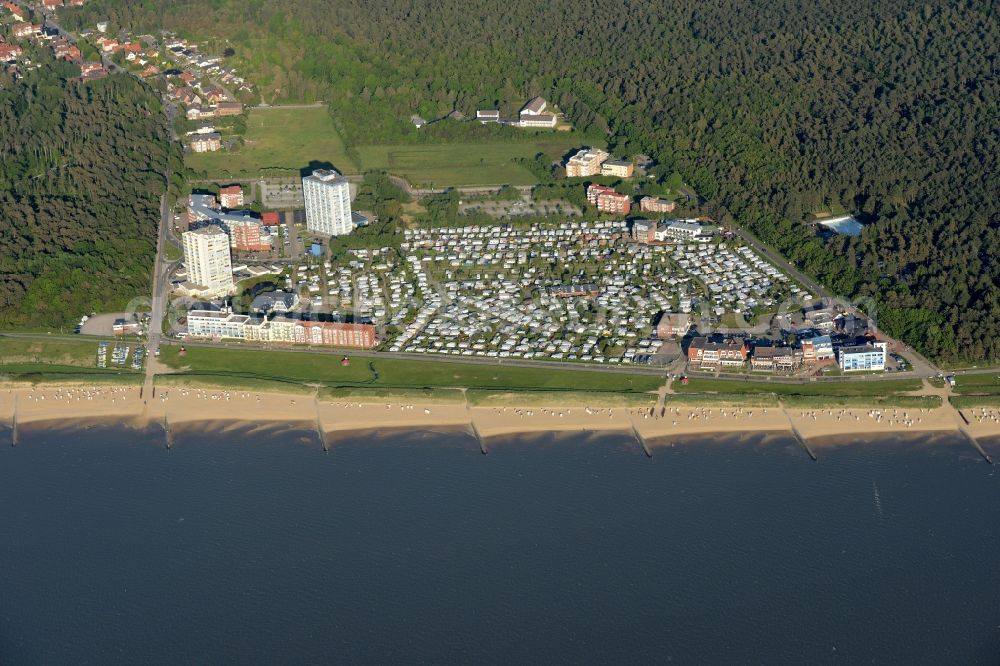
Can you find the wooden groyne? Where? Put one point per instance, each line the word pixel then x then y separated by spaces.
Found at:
pixel 13 425
pixel 167 433
pixel 798 435
pixel 975 443
pixel 320 432
pixel 479 437
pixel 642 440
pixel 802 441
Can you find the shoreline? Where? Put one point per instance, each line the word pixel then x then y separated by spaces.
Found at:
pixel 177 405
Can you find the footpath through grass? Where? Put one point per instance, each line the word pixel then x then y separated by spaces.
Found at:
pixel 325 370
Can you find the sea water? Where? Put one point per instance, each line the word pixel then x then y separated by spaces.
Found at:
pixel 251 545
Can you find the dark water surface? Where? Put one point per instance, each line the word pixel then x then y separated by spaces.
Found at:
pixel 253 546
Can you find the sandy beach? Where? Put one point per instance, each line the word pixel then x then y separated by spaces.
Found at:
pixel 176 405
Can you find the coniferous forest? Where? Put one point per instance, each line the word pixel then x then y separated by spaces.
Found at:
pixel 82 170
pixel 772 111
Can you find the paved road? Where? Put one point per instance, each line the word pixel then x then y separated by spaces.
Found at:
pixel 161 282
pixel 50 22
pixel 547 365
pixel 922 367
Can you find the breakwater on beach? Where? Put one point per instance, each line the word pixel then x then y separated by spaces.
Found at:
pixel 247 542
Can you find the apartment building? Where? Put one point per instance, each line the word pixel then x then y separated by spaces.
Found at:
pixel 207 259
pixel 287 329
pixel 655 205
pixel 863 357
pixel 231 196
pixel 614 203
pixel 216 324
pixel 327 197
pixel 703 353
pixel 246 235
pixel 774 359
pixel 819 348
pixel 585 162
pixel 617 168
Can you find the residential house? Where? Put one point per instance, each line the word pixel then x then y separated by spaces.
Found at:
pixel 92 70
pixel 10 52
pixel 274 301
pixel 199 113
pixel 488 116
pixel 23 30
pixel 67 51
pixel 15 11
pixel 204 143
pixel 109 45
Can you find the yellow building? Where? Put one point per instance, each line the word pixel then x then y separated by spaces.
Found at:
pixel 617 168
pixel 586 162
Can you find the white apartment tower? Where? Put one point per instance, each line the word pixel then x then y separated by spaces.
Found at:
pixel 328 203
pixel 206 256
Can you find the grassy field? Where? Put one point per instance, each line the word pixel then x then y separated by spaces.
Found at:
pixel 16 351
pixel 846 388
pixel 325 370
pixel 57 360
pixel 970 401
pixel 484 398
pixel 380 395
pixel 278 138
pixel 861 401
pixel 463 164
pixel 289 139
pixel 983 383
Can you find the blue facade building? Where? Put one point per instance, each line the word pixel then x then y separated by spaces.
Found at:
pixel 863 357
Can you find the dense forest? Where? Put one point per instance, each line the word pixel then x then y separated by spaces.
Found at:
pixel 772 111
pixel 81 172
